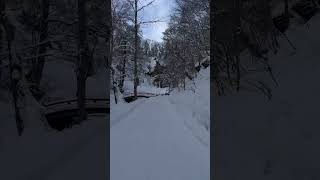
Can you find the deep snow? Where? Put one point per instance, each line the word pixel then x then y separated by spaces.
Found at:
pixel 162 137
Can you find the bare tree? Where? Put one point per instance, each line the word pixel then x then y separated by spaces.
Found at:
pixel 137 25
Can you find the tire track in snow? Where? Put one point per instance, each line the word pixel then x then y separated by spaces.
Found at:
pixel 188 126
pixel 125 115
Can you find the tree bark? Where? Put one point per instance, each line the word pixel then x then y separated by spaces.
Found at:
pixel 136 48
pixel 43 37
pixel 110 43
pixel 236 43
pixel 123 71
pixel 10 33
pixel 83 59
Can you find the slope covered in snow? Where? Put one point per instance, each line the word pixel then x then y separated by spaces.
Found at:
pixel 277 139
pixel 163 137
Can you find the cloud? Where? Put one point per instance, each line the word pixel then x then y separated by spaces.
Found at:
pixel 160 9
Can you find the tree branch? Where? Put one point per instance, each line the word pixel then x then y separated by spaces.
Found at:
pixel 131 3
pixel 145 5
pixel 150 22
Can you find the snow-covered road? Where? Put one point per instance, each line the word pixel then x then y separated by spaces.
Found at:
pixel 151 141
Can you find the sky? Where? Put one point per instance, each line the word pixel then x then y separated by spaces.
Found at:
pixel 160 9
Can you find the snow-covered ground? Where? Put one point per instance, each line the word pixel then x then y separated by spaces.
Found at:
pixel 144 87
pixel 278 139
pixel 163 137
pixel 43 153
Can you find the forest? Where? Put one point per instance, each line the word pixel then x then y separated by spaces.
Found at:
pixel 167 64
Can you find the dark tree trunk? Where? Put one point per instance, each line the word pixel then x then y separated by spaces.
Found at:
pixel 236 43
pixel 14 90
pixel 123 72
pixel 10 33
pixel 43 37
pixel 83 59
pixel 136 48
pixel 109 42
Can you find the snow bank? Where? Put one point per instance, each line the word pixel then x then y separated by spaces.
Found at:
pixel 194 105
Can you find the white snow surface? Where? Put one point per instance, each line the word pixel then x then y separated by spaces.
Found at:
pixel 162 137
pixel 144 87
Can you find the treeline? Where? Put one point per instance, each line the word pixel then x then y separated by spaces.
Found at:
pixel 187 40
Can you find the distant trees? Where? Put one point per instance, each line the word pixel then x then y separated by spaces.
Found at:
pixel 185 45
pixel 122 43
pixel 137 8
pixel 129 50
pixel 186 41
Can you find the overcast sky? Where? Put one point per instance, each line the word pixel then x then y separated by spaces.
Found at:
pixel 160 9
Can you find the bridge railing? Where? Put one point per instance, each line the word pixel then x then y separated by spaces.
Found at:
pixel 141 94
pixel 92 103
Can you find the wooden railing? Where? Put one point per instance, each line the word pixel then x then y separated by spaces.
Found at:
pixel 72 105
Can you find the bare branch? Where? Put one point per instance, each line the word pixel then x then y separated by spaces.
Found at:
pixel 150 22
pixel 131 3
pixel 145 5
pixel 52 20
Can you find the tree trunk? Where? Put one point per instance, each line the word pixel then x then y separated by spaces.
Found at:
pixel 286 8
pixel 83 59
pixel 114 86
pixel 14 90
pixel 136 48
pixel 109 42
pixel 43 37
pixel 237 21
pixel 123 71
pixel 10 33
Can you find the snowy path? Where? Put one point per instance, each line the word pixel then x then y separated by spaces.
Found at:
pixel 152 142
